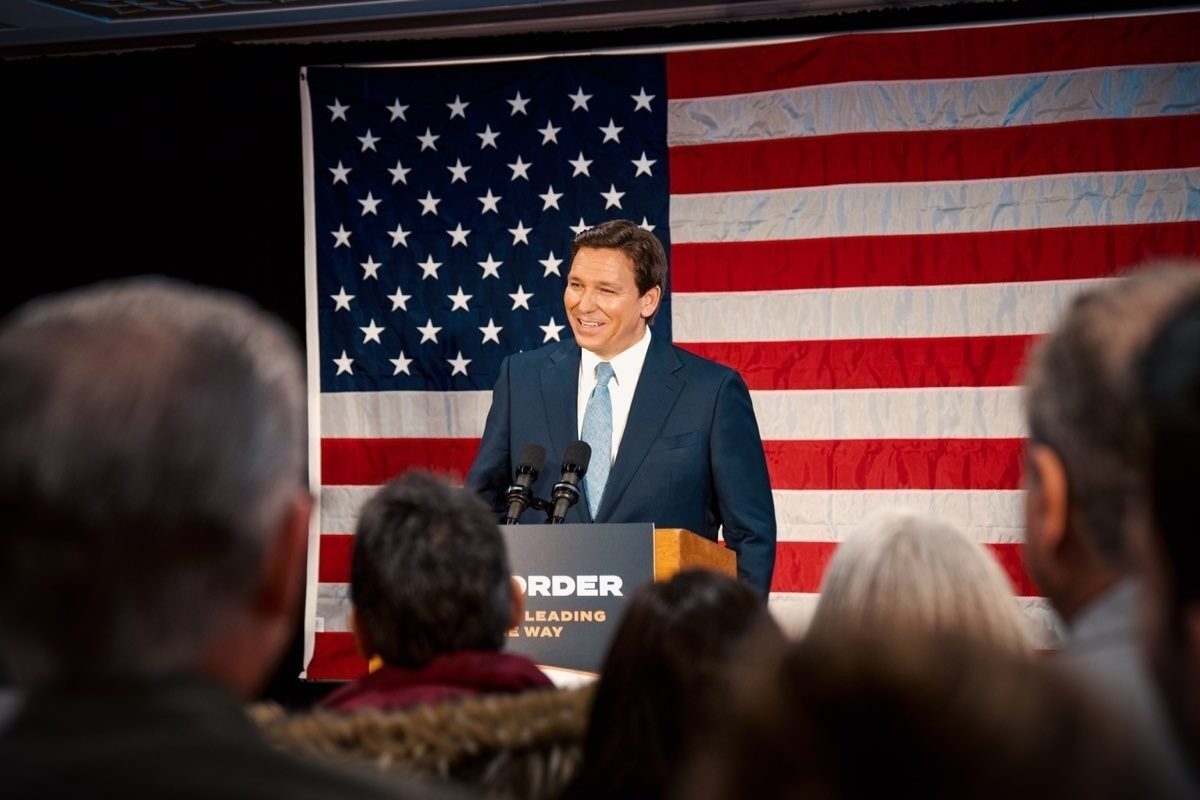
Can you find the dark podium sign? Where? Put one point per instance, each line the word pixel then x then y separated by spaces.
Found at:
pixel 577 579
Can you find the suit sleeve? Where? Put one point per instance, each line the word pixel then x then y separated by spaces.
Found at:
pixel 489 475
pixel 741 487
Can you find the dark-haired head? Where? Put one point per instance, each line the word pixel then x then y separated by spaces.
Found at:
pixel 642 247
pixel 429 574
pixel 663 671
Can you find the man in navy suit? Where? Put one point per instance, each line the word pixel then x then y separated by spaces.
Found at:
pixel 683 448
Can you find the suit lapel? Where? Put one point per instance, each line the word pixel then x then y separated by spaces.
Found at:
pixel 657 390
pixel 560 394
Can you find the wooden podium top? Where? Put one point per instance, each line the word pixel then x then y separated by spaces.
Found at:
pixel 677 549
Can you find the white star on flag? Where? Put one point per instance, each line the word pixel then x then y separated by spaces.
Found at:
pixel 643 165
pixel 551 264
pixel 397 111
pixel 429 267
pixel 400 300
pixel 550 198
pixel 429 203
pixel 429 332
pixel 371 332
pixel 341 236
pixel 646 226
pixel 427 141
pixel 611 132
pixel 581 227
pixel 341 299
pixel 551 331
pixel 521 298
pixel 458 108
pixel 458 235
pixel 340 174
pixel 343 364
pixel 642 100
pixel 371 268
pixel 612 197
pixel 459 300
pixel 490 202
pixel 520 169
pixel 339 112
pixel 369 204
pixel 401 363
pixel 459 364
pixel 518 104
pixel 399 236
pixel 579 100
pixel 399 173
pixel 458 171
pixel 549 133
pixel 491 332
pixel 488 138
pixel 581 165
pixel 368 141
pixel 520 233
pixel 491 267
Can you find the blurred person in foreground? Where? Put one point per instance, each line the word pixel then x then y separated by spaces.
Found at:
pixel 930 716
pixel 1171 377
pixel 904 571
pixel 433 598
pixel 663 681
pixel 152 462
pixel 1085 486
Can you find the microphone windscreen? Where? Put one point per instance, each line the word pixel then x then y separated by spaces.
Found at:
pixel 579 454
pixel 533 456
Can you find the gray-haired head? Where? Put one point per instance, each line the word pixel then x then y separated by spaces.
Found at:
pixel 151 434
pixel 913 573
pixel 1082 400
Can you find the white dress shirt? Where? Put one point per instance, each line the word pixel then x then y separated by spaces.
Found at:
pixel 627 368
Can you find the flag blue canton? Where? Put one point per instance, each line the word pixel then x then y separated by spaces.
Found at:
pixel 446 201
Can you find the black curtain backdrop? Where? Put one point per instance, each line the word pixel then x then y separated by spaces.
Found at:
pixel 186 162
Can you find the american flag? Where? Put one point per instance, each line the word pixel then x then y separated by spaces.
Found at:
pixel 871 228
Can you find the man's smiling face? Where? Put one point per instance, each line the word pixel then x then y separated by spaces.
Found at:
pixel 606 312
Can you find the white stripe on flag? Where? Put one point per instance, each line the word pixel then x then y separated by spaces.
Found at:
pixel 987 309
pixel 970 412
pixel 435 415
pixel 920 106
pixel 826 515
pixel 1112 198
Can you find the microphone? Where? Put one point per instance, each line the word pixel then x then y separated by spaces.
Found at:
pixel 566 491
pixel 518 494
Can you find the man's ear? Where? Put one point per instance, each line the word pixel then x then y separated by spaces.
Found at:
pixel 1047 499
pixel 649 301
pixel 518 605
pixel 282 583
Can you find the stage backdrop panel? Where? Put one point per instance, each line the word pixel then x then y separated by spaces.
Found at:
pixel 872 228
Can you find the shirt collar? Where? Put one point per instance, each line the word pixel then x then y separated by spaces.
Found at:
pixel 626 365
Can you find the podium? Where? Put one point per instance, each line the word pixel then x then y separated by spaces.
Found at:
pixel 578 578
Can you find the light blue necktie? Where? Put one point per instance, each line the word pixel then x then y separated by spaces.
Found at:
pixel 597 432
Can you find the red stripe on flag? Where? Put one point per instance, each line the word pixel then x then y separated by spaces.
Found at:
pixel 872 363
pixel 370 462
pixel 333 560
pixel 937 155
pixel 952 53
pixel 927 259
pixel 895 464
pixel 800 566
pixel 335 658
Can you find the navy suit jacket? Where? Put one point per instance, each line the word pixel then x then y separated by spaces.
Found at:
pixel 690 457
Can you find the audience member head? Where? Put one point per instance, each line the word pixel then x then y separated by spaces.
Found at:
pixel 1087 434
pixel 911 716
pixel 429 574
pixel 905 571
pixel 152 462
pixel 661 679
pixel 1171 379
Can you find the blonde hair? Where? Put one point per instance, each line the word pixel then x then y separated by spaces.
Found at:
pixel 903 570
